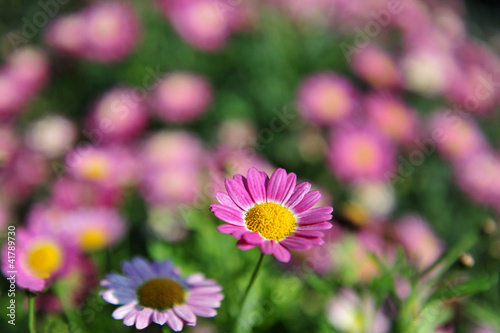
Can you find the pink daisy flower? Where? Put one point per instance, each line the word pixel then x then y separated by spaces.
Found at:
pixel 419 240
pixel 201 23
pixel 117 116
pixel 181 97
pixel 326 98
pixel 392 117
pixel 273 213
pixel 360 154
pixel 377 67
pixel 39 259
pixel 456 138
pixel 156 292
pixel 94 228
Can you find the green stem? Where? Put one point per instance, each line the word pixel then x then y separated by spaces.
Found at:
pixel 238 327
pixel 31 315
pixel 252 279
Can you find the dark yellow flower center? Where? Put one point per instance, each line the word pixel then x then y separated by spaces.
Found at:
pixel 44 259
pixel 160 294
pixel 271 220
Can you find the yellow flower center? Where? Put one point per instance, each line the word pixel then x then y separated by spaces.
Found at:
pixel 95 169
pixel 364 154
pixel 160 294
pixel 93 239
pixel 270 220
pixel 44 259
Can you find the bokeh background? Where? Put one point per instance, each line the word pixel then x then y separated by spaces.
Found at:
pixel 120 120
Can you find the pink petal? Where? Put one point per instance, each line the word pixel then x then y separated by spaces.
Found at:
pixel 256 185
pixel 143 319
pixel 281 254
pixel 173 321
pixel 308 233
pixel 243 245
pixel 205 290
pixel 310 199
pixel 185 313
pixel 253 238
pixel 268 246
pixel 227 214
pixel 276 185
pixel 296 243
pixel 226 200
pixel 239 194
pixel 205 302
pixel 298 194
pixel 203 312
pixel 314 215
pixel 234 230
pixel 129 319
pixel 315 226
pixel 160 317
pixel 291 181
pixel 122 311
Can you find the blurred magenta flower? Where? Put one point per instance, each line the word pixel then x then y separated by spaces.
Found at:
pixel 455 136
pixel 70 193
pixel 21 77
pixel 377 67
pixel 118 115
pixel 274 213
pixel 52 135
pixel 93 164
pixel 156 292
pixel 64 33
pixel 392 117
pixel 173 162
pixel 419 240
pixel 478 176
pixel 201 23
pixel 359 154
pixel 180 97
pixel 94 228
pixel 9 144
pixel 105 31
pixel 326 98
pixel 39 259
pixel 31 67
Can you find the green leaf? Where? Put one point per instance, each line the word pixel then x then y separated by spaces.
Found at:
pixel 475 285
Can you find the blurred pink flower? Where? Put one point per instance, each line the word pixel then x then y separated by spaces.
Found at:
pixel 420 242
pixel 94 228
pixel 66 34
pixel 172 148
pixel 26 171
pixel 455 136
pixel 9 144
pixel 31 67
pixel 181 97
pixel 117 116
pixel 478 176
pixel 202 23
pixel 70 193
pixel 377 67
pixel 392 117
pixel 173 163
pixel 39 259
pixel 359 154
pixel 105 31
pixel 326 98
